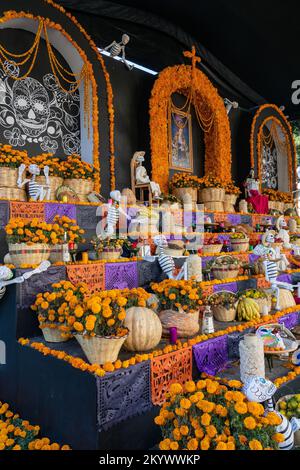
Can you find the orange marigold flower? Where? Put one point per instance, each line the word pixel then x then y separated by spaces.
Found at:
pixel 250 423
pixel 254 444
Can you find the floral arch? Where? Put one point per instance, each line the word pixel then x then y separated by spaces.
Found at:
pixel 185 79
pixel 266 116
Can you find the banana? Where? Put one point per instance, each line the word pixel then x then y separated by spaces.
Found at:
pixel 247 309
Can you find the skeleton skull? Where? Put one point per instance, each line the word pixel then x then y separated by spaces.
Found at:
pixel 125 39
pixel 259 389
pixel 34 169
pixel 31 106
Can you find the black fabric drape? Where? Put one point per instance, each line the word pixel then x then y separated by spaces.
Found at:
pixel 155 42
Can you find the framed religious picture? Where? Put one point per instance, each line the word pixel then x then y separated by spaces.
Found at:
pixel 181 145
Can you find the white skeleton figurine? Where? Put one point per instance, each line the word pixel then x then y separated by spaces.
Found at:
pixel 35 191
pixel 230 104
pixel 6 276
pixel 283 232
pixel 264 248
pixel 166 262
pixel 113 214
pixel 271 269
pixel 251 184
pixel 117 48
pixel 261 390
pixel 141 175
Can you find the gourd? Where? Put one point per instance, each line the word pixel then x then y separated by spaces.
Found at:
pixel 145 329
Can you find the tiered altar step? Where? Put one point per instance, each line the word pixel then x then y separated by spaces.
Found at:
pixel 107 412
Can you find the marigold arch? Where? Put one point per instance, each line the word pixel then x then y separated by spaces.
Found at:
pixel 180 79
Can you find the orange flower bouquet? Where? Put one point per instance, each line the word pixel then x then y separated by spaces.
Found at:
pixel 79 175
pixel 99 326
pixel 64 230
pixel 57 309
pixel 10 160
pixel 212 193
pixel 28 241
pixel 184 186
pixel 179 305
pixel 208 415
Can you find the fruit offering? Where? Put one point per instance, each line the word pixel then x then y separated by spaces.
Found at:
pixel 290 407
pixel 254 294
pixel 226 299
pixel 238 236
pixel 247 309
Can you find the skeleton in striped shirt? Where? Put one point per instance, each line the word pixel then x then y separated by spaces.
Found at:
pixel 260 390
pixel 35 191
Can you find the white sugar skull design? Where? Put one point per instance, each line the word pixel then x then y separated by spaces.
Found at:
pixel 31 105
pixel 38 113
pixel 259 389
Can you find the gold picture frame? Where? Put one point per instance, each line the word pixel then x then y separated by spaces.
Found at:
pixel 180 133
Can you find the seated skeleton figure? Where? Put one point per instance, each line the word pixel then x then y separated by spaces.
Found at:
pixel 141 176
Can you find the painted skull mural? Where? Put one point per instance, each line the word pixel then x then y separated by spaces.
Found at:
pixel 31 104
pixel 38 113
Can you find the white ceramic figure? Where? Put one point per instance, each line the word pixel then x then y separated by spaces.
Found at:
pixel 35 191
pixel 283 232
pixel 117 48
pixel 142 177
pixel 261 390
pixel 251 184
pixel 6 276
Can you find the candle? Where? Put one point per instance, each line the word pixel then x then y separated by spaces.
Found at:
pixel 173 334
pixel 71 245
pixel 65 199
pixel 85 257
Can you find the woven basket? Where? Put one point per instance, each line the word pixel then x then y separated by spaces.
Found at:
pixel 101 349
pixel 186 195
pixel 286 299
pixel 230 198
pixel 187 324
pixel 176 253
pixel 53 335
pixel 297 433
pixel 8 177
pixel 212 248
pixel 240 244
pixel 280 206
pixel 80 186
pixel 272 205
pixel 222 313
pixel 56 253
pixel 54 182
pixel 21 253
pixel 211 195
pixel 83 197
pixel 214 206
pixel 224 272
pixel 109 253
pixel 228 207
pixel 17 194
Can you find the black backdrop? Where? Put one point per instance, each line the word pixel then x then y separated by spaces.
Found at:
pixel 18 41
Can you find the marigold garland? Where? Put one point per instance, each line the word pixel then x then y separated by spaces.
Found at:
pixel 217 140
pixel 292 164
pixel 96 369
pixel 109 90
